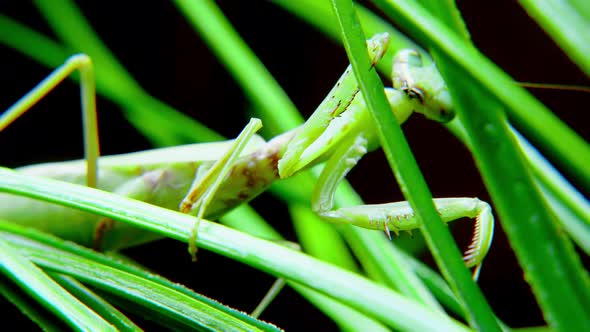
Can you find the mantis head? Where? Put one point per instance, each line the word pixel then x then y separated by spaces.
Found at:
pixel 422 86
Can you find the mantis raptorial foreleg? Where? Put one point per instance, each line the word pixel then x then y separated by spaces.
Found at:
pixel 397 216
pixel 350 134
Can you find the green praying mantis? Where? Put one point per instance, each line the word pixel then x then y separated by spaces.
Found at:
pixel 208 179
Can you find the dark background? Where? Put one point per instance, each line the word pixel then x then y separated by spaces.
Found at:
pixel 170 61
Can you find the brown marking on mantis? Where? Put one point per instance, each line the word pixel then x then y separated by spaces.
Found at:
pixel 378 55
pixel 274 163
pixel 102 227
pixel 335 108
pixel 333 112
pixel 187 204
pixel 249 175
pixel 374 60
pixel 243 195
pixel 356 91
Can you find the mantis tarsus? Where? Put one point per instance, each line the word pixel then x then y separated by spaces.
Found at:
pixel 209 179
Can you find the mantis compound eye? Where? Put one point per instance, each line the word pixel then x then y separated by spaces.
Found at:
pixel 415 93
pixel 422 85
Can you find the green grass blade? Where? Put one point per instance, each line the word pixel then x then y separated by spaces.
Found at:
pixel 272 103
pixel 72 28
pixel 345 317
pixel 31 310
pixel 40 286
pixel 156 120
pixel 242 63
pixel 381 303
pixel 319 14
pixel 142 111
pixel 438 286
pixel 570 206
pixel 223 42
pixel 176 133
pixel 568 23
pixel 575 211
pixel 113 81
pixel 408 175
pixel 380 258
pixel 27 41
pixel 536 122
pixel 313 238
pixel 67 28
pixel 550 264
pixel 153 294
pixel 96 303
pixel 117 262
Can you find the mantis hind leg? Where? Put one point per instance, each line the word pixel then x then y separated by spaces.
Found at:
pixel 396 216
pixel 83 64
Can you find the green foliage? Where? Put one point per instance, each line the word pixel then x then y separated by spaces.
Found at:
pixel 402 294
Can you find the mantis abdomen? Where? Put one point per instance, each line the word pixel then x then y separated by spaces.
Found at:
pixel 144 176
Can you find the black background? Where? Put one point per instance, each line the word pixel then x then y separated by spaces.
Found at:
pixel 164 54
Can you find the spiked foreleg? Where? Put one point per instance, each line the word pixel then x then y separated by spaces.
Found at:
pixel 397 216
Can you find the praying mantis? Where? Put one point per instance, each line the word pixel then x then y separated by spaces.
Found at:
pixel 208 179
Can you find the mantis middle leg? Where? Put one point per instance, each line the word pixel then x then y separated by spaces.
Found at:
pixel 83 64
